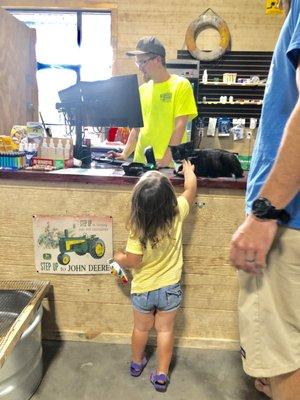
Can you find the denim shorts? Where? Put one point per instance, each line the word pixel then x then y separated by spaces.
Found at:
pixel 167 298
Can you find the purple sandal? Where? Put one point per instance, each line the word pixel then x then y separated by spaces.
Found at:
pixel 137 369
pixel 159 381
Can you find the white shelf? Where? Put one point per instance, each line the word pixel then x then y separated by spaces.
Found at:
pixel 232 84
pixel 241 103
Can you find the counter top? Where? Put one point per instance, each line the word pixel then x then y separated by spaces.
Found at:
pixel 112 176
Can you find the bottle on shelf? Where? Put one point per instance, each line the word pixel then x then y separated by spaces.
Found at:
pixel 59 155
pixel 67 150
pixel 44 149
pixel 51 150
pixel 205 76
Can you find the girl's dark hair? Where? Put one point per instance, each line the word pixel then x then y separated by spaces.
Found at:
pixel 153 208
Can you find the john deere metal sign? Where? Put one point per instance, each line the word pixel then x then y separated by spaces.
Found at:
pixel 72 245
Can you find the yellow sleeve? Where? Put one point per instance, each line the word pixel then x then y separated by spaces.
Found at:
pixel 185 101
pixel 134 246
pixel 184 207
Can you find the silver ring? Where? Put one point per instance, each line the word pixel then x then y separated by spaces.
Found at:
pixel 250 261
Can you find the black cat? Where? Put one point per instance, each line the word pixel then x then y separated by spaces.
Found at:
pixel 208 162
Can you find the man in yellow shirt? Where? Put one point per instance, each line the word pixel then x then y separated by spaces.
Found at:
pixel 168 104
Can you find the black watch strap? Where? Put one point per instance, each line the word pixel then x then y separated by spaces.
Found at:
pixel 263 209
pixel 281 215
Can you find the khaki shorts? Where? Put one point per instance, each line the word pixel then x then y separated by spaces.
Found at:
pixel 269 311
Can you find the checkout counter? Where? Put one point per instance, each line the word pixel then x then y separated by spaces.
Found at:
pixel 94 307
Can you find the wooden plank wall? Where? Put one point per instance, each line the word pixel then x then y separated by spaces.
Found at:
pixel 250 27
pixel 94 307
pixel 18 87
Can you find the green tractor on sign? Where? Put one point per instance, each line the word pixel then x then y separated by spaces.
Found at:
pixel 80 245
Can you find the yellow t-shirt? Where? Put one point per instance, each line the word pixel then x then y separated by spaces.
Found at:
pixel 161 266
pixel 161 104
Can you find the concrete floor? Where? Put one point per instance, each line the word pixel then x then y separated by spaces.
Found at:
pixel 93 371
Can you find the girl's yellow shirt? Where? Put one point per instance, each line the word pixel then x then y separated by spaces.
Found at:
pixel 162 265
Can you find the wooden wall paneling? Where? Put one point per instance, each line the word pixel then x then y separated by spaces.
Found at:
pixel 208 317
pixel 18 87
pixel 31 81
pixel 200 260
pixel 93 320
pixel 205 291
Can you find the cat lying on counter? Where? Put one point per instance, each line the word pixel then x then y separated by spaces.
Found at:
pixel 211 163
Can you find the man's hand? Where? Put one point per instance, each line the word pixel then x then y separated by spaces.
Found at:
pixel 162 164
pixel 251 243
pixel 116 156
pixel 165 161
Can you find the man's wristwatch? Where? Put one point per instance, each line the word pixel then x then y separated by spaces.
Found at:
pixel 262 208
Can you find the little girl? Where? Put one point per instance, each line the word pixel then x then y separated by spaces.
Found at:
pixel 154 253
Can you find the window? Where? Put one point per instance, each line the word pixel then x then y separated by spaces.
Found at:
pixel 71 46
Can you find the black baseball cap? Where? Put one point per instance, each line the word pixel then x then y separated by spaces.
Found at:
pixel 148 45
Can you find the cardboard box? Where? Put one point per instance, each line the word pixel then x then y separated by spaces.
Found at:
pixel 48 164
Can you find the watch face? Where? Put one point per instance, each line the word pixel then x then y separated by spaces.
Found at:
pixel 260 207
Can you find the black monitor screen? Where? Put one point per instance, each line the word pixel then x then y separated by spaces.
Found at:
pixel 111 102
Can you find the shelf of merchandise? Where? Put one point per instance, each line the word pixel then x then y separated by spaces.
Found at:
pixel 241 103
pixel 233 84
pixel 245 64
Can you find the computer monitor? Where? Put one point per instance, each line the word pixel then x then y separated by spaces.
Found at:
pixel 111 102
